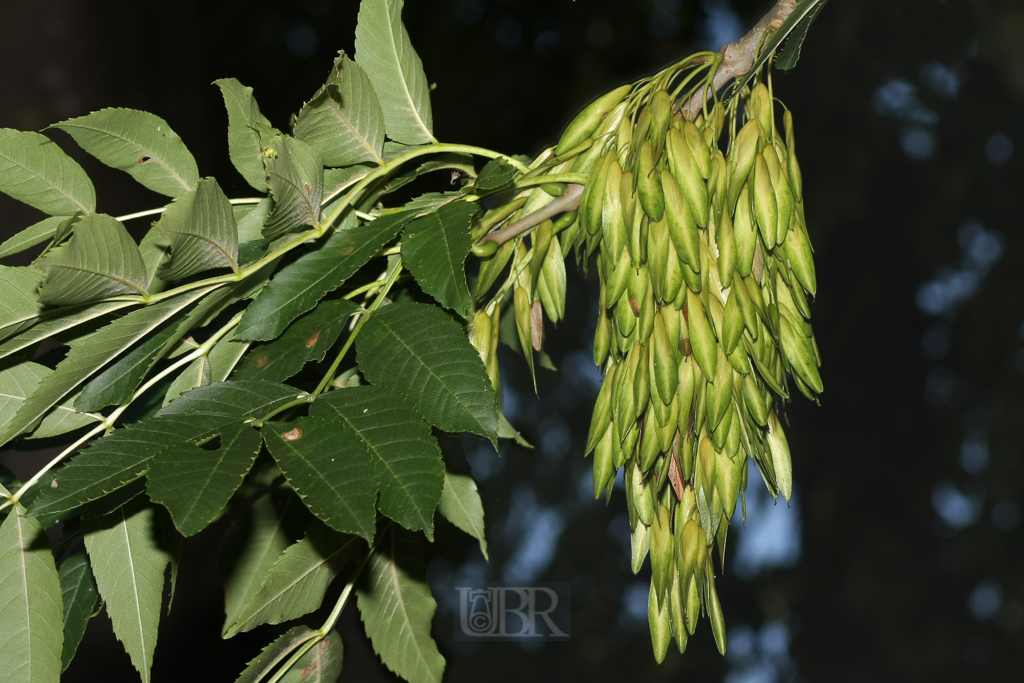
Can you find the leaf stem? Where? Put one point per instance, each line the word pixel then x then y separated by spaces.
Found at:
pixel 332 619
pixel 108 422
pixel 572 178
pixel 154 212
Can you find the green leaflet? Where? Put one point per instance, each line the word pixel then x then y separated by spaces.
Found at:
pixel 298 580
pixel 248 129
pixel 406 458
pixel 19 308
pixel 129 566
pixel 297 287
pixel 31 636
pixel 418 351
pixel 330 469
pixel 138 143
pixel 125 455
pixel 216 366
pixel 295 175
pixel 495 175
pixel 18 382
pixel 78 588
pixel 195 484
pixel 200 228
pixel 307 339
pixel 61 320
pixel 31 236
pixel 252 544
pixel 99 260
pixel 344 120
pixel 34 170
pixel 460 505
pixel 250 224
pixel 275 653
pixel 790 53
pixel 88 355
pixel 385 52
pixel 397 608
pixel 321 664
pixel 435 246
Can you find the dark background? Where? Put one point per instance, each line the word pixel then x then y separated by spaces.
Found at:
pixel 900 558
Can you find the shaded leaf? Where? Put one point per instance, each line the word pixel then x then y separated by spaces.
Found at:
pixel 307 339
pixel 195 484
pixel 19 306
pixel 250 226
pixel 275 653
pixel 330 470
pixel 396 608
pixel 79 597
pixel 406 458
pixel 496 174
pixel 34 170
pixel 298 580
pixel 18 382
pixel 234 400
pixel 297 287
pixel 247 129
pixel 99 260
pixel 385 52
pixel 252 544
pixel 460 505
pixel 31 236
pixel 138 143
pixel 435 247
pixel 418 351
pixel 55 323
pixel 337 180
pixel 295 175
pixel 196 374
pixel 344 120
pixel 321 664
pixel 88 354
pixel 200 229
pixel 790 53
pixel 31 636
pixel 129 566
pixel 216 366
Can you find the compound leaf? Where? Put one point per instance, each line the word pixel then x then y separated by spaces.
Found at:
pixel 344 120
pixel 90 353
pixel 298 580
pixel 307 339
pixel 138 143
pixel 295 175
pixel 100 260
pixel 460 505
pixel 385 52
pixel 200 229
pixel 406 458
pixel 397 608
pixel 435 247
pixel 34 170
pixel 247 130
pixel 297 287
pixel 31 636
pixel 129 566
pixel 195 484
pixel 78 587
pixel 418 351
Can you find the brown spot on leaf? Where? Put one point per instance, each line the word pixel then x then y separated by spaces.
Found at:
pixel 312 341
pixel 347 250
pixel 293 434
pixel 675 472
pixel 308 189
pixel 684 346
pixel 145 159
pixel 635 306
pixel 262 360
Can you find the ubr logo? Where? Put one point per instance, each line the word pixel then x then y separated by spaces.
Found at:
pixel 499 612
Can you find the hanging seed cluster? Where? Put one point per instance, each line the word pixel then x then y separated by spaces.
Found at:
pixel 705 268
